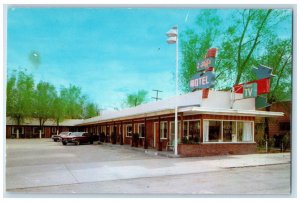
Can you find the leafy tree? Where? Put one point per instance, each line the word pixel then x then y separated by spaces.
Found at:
pixel 91 110
pixel 195 44
pixel 58 110
pixel 44 97
pixel 239 44
pixel 73 101
pixel 135 99
pixel 278 55
pixel 20 90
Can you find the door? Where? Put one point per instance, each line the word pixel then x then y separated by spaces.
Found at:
pixel 155 136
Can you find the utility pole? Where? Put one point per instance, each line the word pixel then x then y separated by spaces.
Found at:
pixel 157 98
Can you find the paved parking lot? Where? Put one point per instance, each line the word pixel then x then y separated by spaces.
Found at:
pixel 44 166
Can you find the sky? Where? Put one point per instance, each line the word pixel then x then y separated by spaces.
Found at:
pixel 107 52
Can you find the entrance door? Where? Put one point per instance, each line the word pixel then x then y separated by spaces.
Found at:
pixel 155 136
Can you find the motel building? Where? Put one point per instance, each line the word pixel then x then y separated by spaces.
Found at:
pixel 222 123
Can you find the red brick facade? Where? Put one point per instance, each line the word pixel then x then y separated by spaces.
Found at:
pixel 210 149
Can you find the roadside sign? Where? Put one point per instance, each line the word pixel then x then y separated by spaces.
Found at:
pixel 250 90
pixel 200 81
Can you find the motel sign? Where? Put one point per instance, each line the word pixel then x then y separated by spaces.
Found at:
pixel 206 80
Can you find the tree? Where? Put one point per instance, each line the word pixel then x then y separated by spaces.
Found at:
pixel 58 110
pixel 90 110
pixel 278 55
pixel 239 44
pixel 44 98
pixel 195 44
pixel 20 90
pixel 135 99
pixel 73 101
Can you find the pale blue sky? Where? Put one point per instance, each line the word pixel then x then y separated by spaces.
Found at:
pixel 108 52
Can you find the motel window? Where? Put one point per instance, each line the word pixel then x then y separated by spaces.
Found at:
pixel 164 130
pixel 128 130
pixel 14 130
pixel 36 130
pixel 172 132
pixel 214 131
pixel 53 130
pixel 191 131
pixel 141 130
pixel 245 131
pixel 228 131
pixel 102 129
pixel 111 129
pixel 284 126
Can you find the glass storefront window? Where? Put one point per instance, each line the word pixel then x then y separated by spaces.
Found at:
pixel 228 131
pixel 214 131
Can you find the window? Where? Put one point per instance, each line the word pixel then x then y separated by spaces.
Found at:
pixel 142 130
pixel 283 126
pixel 172 132
pixel 53 130
pixel 111 129
pixel 128 130
pixel 191 131
pixel 228 131
pixel 214 131
pixel 36 130
pixel 14 130
pixel 163 130
pixel 245 131
pixel 102 129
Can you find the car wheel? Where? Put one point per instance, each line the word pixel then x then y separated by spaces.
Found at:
pixel 77 143
pixel 91 142
pixel 64 143
pixel 55 140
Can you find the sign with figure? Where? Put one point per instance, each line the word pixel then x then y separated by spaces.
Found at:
pixel 205 64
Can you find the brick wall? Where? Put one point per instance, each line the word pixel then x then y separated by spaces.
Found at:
pixel 193 150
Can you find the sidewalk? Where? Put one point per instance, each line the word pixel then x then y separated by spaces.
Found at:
pixel 149 151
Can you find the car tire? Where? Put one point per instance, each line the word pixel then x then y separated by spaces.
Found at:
pixel 64 143
pixel 91 142
pixel 55 140
pixel 77 143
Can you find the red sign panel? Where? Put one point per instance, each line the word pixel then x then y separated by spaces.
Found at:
pixel 263 86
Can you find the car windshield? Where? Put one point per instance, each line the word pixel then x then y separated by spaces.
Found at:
pixel 64 133
pixel 77 133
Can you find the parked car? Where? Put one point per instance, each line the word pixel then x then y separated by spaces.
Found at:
pixel 77 138
pixel 56 138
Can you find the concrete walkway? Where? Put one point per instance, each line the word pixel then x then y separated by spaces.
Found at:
pixel 72 173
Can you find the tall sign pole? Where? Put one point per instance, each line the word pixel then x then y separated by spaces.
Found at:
pixel 173 38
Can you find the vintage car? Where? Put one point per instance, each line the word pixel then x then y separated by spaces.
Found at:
pixel 77 138
pixel 56 138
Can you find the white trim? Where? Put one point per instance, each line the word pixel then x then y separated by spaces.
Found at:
pixel 139 129
pixel 20 131
pixel 126 125
pixel 164 138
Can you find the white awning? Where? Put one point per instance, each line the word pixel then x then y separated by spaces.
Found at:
pixel 232 112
